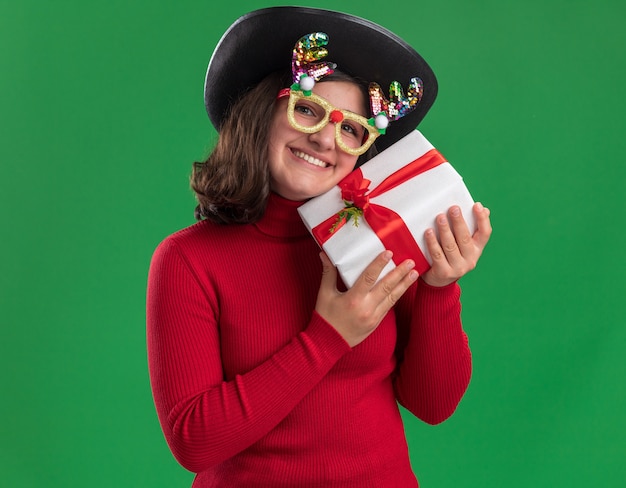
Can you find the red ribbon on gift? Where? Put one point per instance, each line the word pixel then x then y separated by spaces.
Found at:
pixel 388 225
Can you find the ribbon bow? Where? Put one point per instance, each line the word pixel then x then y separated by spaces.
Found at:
pixel 355 199
pixel 357 195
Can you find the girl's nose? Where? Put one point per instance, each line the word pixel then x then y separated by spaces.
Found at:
pixel 325 137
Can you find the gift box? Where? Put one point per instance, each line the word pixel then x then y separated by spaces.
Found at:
pixel 387 203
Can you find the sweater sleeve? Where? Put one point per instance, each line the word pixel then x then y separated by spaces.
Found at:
pixel 434 359
pixel 206 419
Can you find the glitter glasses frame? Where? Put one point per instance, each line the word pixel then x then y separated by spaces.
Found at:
pixel 297 95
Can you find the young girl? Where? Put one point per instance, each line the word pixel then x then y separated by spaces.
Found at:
pixel 265 370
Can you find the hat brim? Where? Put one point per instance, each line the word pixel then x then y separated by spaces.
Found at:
pixel 261 42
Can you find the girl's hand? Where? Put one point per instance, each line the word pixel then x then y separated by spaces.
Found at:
pixel 456 252
pixel 356 313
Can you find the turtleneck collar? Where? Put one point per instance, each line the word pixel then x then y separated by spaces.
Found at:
pixel 281 218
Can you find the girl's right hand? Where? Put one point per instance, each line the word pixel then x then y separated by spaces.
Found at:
pixel 356 313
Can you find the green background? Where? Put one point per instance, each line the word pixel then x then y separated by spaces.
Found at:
pixel 101 117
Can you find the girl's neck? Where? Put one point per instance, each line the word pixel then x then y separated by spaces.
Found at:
pixel 281 218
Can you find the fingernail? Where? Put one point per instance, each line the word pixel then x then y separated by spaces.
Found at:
pixel 455 211
pixel 387 255
pixel 409 264
pixel 413 275
pixel 479 206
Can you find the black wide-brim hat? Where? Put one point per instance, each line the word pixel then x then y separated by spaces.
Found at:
pixel 261 42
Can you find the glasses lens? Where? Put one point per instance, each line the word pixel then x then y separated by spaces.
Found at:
pixel 352 132
pixel 308 114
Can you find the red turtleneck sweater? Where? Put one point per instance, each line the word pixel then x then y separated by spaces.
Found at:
pixel 253 388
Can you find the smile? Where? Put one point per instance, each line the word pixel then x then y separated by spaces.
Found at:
pixel 310 159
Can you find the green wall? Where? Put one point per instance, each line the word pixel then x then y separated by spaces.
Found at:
pixel 101 116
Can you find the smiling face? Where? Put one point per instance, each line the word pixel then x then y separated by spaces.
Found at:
pixel 302 165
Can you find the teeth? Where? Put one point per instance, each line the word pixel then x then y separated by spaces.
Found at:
pixel 310 159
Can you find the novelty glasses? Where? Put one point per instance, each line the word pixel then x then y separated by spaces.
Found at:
pixel 354 133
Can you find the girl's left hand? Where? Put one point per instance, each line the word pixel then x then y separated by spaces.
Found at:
pixel 456 252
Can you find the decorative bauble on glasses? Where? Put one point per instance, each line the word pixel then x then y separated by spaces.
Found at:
pixel 398 105
pixel 305 65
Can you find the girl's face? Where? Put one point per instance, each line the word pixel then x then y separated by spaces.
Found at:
pixel 302 165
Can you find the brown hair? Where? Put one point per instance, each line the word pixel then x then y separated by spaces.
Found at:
pixel 233 184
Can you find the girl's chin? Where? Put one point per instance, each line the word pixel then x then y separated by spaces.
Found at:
pixel 301 194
